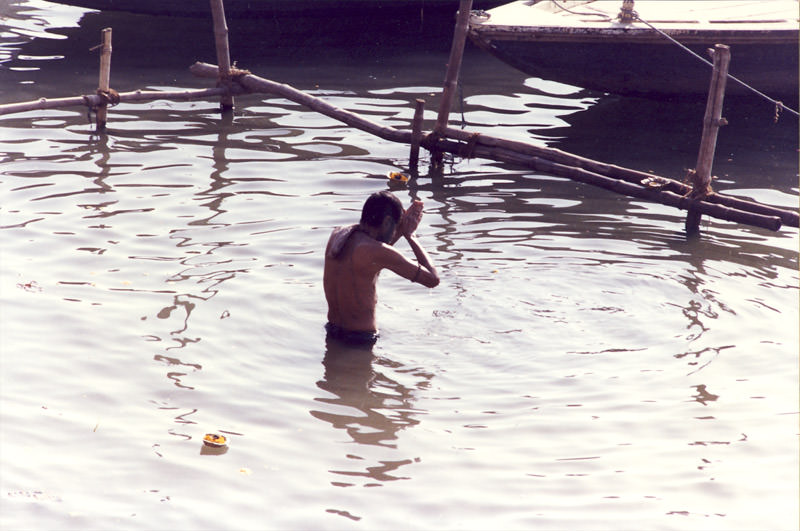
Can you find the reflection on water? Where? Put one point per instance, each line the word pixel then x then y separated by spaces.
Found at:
pixel 369 405
pixel 580 366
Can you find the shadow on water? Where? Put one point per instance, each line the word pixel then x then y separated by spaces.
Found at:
pixel 372 407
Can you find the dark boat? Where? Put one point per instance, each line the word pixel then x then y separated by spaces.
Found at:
pixel 270 8
pixel 589 44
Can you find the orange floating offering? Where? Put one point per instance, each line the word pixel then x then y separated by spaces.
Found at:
pixel 212 439
pixel 397 177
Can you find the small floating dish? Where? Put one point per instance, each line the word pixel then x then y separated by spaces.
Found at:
pixel 214 440
pixel 397 177
pixel 654 182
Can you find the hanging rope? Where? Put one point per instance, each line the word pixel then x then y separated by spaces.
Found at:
pixel 596 14
pixel 461 100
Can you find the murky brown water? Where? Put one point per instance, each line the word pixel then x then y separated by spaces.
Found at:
pixel 581 365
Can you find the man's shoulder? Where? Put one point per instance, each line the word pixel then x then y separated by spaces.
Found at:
pixel 375 252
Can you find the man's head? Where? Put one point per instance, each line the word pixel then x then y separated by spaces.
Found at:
pixel 382 210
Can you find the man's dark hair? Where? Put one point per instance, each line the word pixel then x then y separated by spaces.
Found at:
pixel 379 205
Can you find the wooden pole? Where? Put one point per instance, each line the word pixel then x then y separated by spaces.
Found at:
pixel 416 135
pixel 788 217
pixel 257 84
pixel 95 100
pixel 466 144
pixel 104 82
pixel 484 145
pixel 223 52
pixel 451 77
pixel 547 160
pixel 771 222
pixel 712 121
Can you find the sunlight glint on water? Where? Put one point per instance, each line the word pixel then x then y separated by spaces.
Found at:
pixel 580 366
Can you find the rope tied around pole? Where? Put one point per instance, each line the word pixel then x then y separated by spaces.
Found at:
pixel 233 76
pixel 699 191
pixel 468 149
pixel 106 97
pixel 100 98
pixel 110 97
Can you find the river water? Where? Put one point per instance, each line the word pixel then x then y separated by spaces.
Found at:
pixel 580 366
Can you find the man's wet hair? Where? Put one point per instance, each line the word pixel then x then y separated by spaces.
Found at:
pixel 379 205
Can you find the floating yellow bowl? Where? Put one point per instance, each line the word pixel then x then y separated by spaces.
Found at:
pixel 397 177
pixel 214 440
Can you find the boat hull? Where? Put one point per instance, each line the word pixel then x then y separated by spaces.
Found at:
pixel 652 69
pixel 611 57
pixel 269 8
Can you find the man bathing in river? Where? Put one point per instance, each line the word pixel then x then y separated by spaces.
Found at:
pixel 354 258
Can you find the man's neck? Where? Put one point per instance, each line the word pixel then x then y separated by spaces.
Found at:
pixel 372 232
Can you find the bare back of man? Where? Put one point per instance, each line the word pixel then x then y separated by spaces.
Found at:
pixel 354 258
pixel 353 295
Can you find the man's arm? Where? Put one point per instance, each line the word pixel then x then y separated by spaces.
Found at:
pixel 423 271
pixel 427 277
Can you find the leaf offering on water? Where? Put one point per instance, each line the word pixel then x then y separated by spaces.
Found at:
pixel 215 440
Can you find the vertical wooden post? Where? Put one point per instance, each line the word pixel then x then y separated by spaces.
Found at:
pixel 223 52
pixel 712 121
pixel 104 81
pixel 416 135
pixel 451 77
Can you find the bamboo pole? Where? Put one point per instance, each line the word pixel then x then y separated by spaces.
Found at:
pixel 257 84
pixel 788 217
pixel 416 134
pixel 451 76
pixel 536 157
pixel 223 52
pixel 712 121
pixel 546 160
pixel 136 96
pixel 574 173
pixel 104 81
